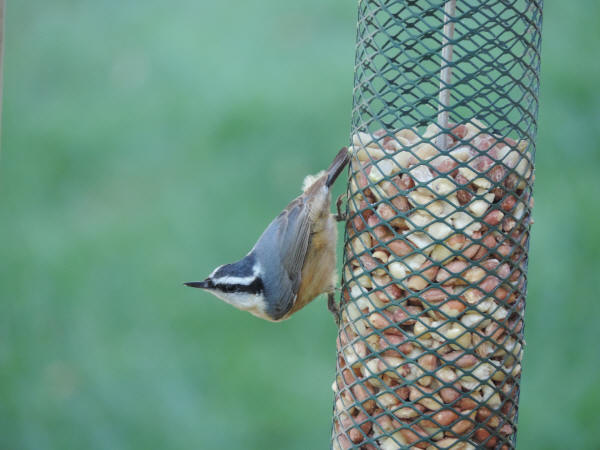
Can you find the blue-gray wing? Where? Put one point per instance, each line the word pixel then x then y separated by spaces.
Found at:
pixel 294 238
pixel 283 246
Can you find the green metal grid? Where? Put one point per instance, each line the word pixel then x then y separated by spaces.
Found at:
pixel 416 365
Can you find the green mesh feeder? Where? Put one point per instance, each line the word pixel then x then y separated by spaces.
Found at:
pixel 439 202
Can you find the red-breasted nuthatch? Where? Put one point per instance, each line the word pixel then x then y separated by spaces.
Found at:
pixel 293 261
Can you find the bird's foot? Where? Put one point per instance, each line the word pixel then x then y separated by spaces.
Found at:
pixel 340 216
pixel 334 308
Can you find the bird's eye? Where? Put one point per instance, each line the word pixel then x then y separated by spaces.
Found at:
pixel 226 287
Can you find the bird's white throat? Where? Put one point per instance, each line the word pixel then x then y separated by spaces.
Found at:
pixel 253 303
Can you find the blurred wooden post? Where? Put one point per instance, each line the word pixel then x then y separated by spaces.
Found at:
pixel 1 62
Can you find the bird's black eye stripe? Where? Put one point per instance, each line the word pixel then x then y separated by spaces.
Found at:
pixel 256 287
pixel 226 287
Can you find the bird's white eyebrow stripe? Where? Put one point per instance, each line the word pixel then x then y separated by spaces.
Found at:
pixel 235 280
pixel 231 280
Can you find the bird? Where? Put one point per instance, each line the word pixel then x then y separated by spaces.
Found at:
pixel 293 261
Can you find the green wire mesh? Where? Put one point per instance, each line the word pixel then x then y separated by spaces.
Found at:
pixel 435 261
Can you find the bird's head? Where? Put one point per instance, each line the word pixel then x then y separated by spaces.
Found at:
pixel 239 284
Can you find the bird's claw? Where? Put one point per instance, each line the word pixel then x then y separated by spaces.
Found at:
pixel 334 308
pixel 340 216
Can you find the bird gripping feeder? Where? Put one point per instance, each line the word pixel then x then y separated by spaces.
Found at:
pixel 439 212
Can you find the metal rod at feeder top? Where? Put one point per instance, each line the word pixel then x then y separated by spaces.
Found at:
pixel 446 72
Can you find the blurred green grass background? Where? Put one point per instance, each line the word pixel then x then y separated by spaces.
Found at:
pixel 146 142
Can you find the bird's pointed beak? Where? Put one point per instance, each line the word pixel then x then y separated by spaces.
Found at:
pixel 198 284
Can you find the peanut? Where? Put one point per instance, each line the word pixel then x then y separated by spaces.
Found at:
pixel 452 308
pixel 408 412
pixel 421 395
pixel 446 275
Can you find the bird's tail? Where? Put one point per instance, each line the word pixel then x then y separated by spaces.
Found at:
pixel 336 167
